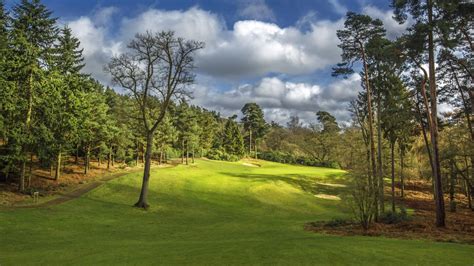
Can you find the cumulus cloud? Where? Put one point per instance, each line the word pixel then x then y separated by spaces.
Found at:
pixel 282 99
pixel 250 49
pixel 97 48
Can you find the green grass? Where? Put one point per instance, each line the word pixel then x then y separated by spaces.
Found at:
pixel 216 213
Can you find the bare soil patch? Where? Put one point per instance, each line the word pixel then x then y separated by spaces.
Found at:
pixel 459 225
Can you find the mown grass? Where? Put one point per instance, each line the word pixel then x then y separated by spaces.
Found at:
pixel 215 213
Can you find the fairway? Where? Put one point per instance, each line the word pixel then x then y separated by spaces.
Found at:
pixel 211 212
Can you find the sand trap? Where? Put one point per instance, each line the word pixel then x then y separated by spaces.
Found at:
pixel 249 164
pixel 330 184
pixel 326 196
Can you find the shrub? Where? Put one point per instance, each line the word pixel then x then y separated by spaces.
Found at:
pixel 281 157
pixel 395 217
pixel 362 200
pixel 222 156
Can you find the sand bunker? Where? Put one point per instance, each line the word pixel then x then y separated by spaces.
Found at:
pixel 326 196
pixel 330 184
pixel 249 164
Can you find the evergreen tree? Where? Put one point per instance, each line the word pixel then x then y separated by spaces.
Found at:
pixel 254 124
pixel 33 33
pixel 233 142
pixel 68 57
pixel 358 31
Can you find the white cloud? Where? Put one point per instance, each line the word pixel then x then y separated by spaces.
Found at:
pixel 280 99
pixel 338 7
pixel 394 29
pixel 256 9
pixel 250 48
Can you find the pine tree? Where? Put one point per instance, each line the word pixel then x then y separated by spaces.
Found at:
pixel 254 125
pixel 68 57
pixel 33 33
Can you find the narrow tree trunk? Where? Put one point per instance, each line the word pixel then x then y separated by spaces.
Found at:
pixel 392 155
pixel 109 159
pixel 187 153
pixel 76 159
pixel 192 158
pixel 452 181
pixel 440 211
pixel 256 152
pixel 250 141
pixel 182 151
pixel 370 118
pixel 142 200
pixel 138 153
pixel 30 171
pixel 57 174
pixel 87 160
pixel 402 181
pixel 22 176
pixel 160 160
pixel 380 184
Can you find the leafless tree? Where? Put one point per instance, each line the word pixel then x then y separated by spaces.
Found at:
pixel 156 70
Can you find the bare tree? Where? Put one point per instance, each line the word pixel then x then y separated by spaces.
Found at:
pixel 155 70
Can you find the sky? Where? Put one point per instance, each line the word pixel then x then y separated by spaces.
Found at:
pixel 278 54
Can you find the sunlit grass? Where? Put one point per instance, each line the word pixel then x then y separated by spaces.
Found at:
pixel 208 213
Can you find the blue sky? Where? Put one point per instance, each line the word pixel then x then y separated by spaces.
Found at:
pixel 276 53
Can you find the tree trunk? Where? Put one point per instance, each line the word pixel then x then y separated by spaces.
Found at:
pixel 109 159
pixel 469 193
pixel 22 176
pixel 138 153
pixel 256 152
pixel 30 171
pixel 76 159
pixel 57 173
pixel 250 141
pixel 370 118
pixel 380 183
pixel 87 160
pixel 402 181
pixel 192 158
pixel 187 153
pixel 392 155
pixel 440 211
pixel 182 151
pixel 142 200
pixel 160 160
pixel 452 181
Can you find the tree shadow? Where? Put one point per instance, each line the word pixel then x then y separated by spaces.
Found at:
pixel 310 184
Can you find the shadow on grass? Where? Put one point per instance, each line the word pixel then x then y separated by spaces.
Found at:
pixel 311 184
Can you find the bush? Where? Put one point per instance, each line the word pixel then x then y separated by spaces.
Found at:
pixel 281 157
pixel 395 217
pixel 362 200
pixel 222 156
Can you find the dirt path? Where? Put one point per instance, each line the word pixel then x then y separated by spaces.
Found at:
pixel 64 197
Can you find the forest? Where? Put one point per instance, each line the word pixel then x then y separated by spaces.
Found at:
pixel 54 117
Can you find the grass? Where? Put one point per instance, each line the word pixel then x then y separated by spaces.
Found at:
pixel 215 213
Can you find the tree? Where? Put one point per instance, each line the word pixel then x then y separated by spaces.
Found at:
pixel 328 121
pixel 357 32
pixel 33 33
pixel 68 57
pixel 233 142
pixel 254 124
pixel 155 70
pixel 424 14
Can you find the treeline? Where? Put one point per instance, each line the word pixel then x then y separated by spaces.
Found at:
pixel 49 109
pixel 404 82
